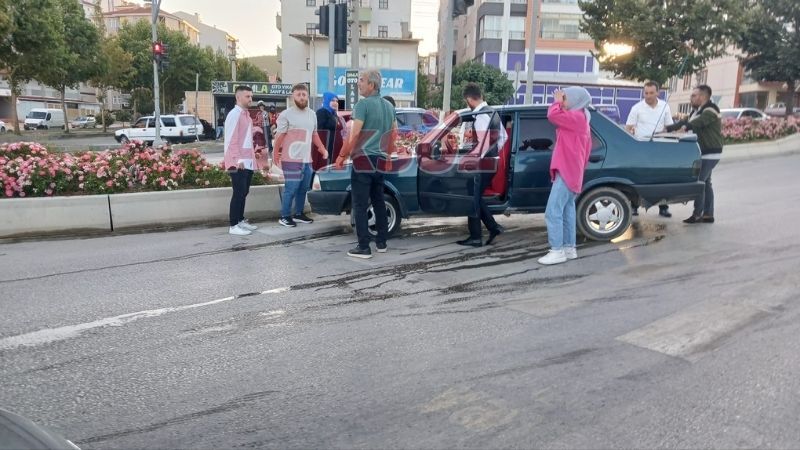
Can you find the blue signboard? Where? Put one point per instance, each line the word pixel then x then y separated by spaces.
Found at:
pixel 394 82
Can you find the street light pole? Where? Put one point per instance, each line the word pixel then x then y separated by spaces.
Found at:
pixel 448 57
pixel 156 5
pixel 331 40
pixel 532 51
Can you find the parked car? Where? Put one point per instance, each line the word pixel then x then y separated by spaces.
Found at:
pixel 2 127
pixel 84 122
pixel 742 113
pixel 779 110
pixel 622 170
pixel 41 118
pixel 174 129
pixel 18 432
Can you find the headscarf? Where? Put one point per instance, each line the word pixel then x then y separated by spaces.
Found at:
pixel 578 98
pixel 327 98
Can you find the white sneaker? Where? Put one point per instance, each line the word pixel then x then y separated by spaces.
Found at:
pixel 246 225
pixel 236 230
pixel 553 257
pixel 570 252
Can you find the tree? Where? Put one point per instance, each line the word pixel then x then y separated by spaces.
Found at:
pixel 496 87
pixel 247 71
pixel 30 30
pixel 771 44
pixel 114 70
pixel 423 88
pixel 668 37
pixel 76 56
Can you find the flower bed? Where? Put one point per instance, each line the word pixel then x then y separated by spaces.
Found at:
pixel 27 169
pixel 748 130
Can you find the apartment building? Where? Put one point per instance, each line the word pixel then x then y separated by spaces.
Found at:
pixel 210 36
pixel 385 43
pixel 495 32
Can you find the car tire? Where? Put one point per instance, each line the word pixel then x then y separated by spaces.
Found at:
pixel 392 215
pixel 3 130
pixel 124 140
pixel 603 214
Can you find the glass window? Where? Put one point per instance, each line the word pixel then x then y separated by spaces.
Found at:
pixel 141 123
pixel 311 2
pixel 383 31
pixel 168 121
pixel 536 134
pixel 311 28
pixel 383 4
pixel 516 28
pixel 562 26
pixel 186 120
pixel 378 57
pixel 491 27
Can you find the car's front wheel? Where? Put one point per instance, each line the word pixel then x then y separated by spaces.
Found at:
pixel 393 218
pixel 124 139
pixel 604 213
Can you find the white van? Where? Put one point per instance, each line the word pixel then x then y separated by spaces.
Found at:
pixel 41 118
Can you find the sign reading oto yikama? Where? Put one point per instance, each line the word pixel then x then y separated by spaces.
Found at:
pixel 351 96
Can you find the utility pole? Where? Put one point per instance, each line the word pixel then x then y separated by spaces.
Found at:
pixel 331 39
pixel 532 51
pixel 156 5
pixel 196 112
pixel 355 35
pixel 448 57
pixel 233 64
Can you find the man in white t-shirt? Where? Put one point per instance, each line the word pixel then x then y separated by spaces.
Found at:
pixel 296 134
pixel 648 117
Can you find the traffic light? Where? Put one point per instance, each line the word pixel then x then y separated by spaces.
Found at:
pixel 460 6
pixel 340 38
pixel 158 48
pixel 164 64
pixel 323 20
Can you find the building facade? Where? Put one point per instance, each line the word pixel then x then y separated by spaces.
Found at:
pixel 385 43
pixel 210 36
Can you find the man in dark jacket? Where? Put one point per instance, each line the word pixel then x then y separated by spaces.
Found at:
pixel 706 122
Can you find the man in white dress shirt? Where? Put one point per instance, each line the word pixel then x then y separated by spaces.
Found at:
pixel 648 117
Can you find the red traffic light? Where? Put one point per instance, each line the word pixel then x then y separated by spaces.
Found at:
pixel 158 48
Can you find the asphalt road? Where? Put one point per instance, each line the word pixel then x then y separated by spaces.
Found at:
pixel 677 336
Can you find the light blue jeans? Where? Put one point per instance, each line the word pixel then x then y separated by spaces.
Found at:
pixel 297 178
pixel 560 216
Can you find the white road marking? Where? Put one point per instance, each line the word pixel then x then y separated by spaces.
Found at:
pixel 49 335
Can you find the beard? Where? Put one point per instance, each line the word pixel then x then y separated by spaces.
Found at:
pixel 301 104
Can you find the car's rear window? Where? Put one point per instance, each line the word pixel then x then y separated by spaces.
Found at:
pixel 187 120
pixel 409 119
pixel 730 114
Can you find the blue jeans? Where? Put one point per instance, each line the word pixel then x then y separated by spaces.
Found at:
pixel 560 216
pixel 220 132
pixel 704 203
pixel 297 178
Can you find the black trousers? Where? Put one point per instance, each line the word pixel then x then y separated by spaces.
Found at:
pixel 481 180
pixel 240 180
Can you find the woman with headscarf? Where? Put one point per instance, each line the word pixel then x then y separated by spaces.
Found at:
pixel 571 117
pixel 327 122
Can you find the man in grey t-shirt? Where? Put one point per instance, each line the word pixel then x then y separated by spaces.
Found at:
pixel 297 132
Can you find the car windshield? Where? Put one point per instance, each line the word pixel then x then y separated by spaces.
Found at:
pixel 730 114
pixel 409 119
pixel 37 115
pixel 188 120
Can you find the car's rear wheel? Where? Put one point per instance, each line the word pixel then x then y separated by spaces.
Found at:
pixel 604 213
pixel 2 130
pixel 392 216
pixel 124 139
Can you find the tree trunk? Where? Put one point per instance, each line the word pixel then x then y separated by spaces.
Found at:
pixel 790 86
pixel 103 108
pixel 63 92
pixel 14 116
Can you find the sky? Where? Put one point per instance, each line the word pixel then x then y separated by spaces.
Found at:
pixel 253 21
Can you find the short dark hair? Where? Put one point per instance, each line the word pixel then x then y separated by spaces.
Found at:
pixel 300 87
pixel 653 84
pixel 389 99
pixel 473 91
pixel 705 89
pixel 243 87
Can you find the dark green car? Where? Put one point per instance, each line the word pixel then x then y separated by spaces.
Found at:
pixel 434 179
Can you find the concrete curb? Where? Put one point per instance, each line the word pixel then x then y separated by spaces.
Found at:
pixel 48 215
pixel 744 152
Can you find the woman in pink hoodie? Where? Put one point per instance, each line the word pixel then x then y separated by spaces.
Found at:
pixel 570 115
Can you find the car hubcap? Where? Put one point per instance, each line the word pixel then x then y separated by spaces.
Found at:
pixel 605 216
pixel 391 215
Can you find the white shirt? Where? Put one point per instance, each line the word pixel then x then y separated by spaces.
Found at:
pixel 482 122
pixel 230 128
pixel 648 120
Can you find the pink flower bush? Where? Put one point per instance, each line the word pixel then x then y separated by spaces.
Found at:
pixel 746 130
pixel 28 169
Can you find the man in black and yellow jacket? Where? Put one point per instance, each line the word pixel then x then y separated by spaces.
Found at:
pixel 706 122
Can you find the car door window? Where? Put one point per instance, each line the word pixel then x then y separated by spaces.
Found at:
pixel 151 123
pixel 168 121
pixel 536 134
pixel 141 123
